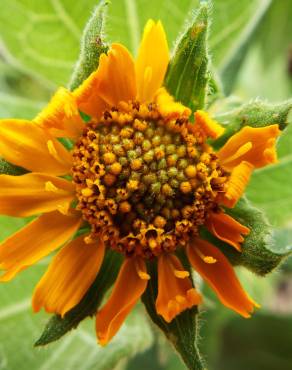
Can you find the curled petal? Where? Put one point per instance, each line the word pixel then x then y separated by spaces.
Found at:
pixel 152 61
pixel 68 277
pixel 236 184
pixel 61 117
pixel 34 193
pixel 35 241
pixel 225 228
pixel 87 96
pixel 168 107
pixel 175 290
pixel 220 276
pixel 27 145
pixel 254 145
pixel 207 126
pixel 128 288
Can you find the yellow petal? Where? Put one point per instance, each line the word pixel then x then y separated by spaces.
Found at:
pixel 25 144
pixel 35 241
pixel 254 145
pixel 226 228
pixel 175 290
pixel 61 117
pixel 236 184
pixel 127 290
pixel 152 61
pixel 168 107
pixel 34 193
pixel 68 277
pixel 221 277
pixel 112 82
pixel 207 126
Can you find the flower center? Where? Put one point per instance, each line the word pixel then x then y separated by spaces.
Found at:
pixel 144 183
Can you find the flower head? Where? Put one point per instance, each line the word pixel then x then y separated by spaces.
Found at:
pixel 141 178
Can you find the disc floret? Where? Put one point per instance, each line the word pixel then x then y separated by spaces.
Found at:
pixel 145 182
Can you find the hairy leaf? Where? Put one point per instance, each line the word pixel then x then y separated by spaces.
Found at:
pixel 182 331
pixel 92 46
pixel 186 77
pixel 255 114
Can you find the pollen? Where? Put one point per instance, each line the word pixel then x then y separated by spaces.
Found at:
pixel 145 182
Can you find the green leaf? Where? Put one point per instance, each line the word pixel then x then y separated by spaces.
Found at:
pixel 260 343
pixel 182 331
pixel 20 96
pixel 58 326
pixel 255 114
pixel 17 106
pixel 233 27
pixel 42 37
pixel 9 169
pixel 260 253
pixel 187 77
pixel 266 73
pixel 92 46
pixel 79 350
pixel 230 68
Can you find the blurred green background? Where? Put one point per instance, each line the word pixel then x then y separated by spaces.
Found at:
pixel 251 49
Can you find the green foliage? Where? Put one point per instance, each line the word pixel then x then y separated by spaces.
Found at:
pixel 43 37
pixel 262 343
pixel 182 331
pixel 186 77
pixel 230 68
pixel 20 96
pixel 265 71
pixel 92 46
pixel 58 326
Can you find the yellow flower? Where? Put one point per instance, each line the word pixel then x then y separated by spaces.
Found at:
pixel 140 177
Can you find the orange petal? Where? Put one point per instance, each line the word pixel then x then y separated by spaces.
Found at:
pixel 207 126
pixel 152 61
pixel 34 193
pixel 68 277
pixel 127 290
pixel 225 228
pixel 175 290
pixel 112 82
pixel 236 184
pixel 253 145
pixel 87 96
pixel 220 276
pixel 168 107
pixel 25 144
pixel 61 117
pixel 35 241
